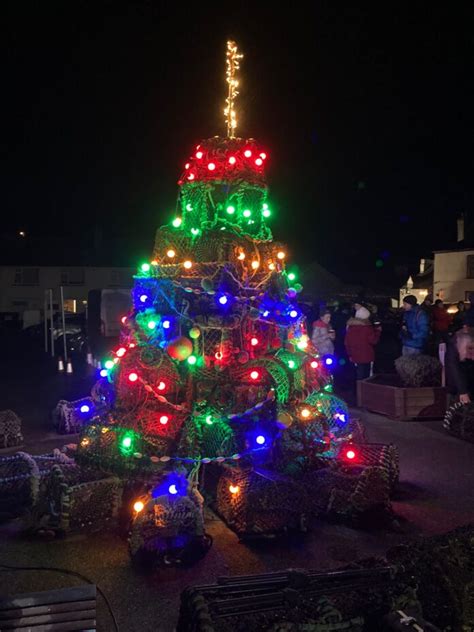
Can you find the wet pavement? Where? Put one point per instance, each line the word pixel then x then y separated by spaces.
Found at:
pixel 436 494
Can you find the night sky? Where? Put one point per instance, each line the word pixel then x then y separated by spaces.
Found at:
pixel 367 116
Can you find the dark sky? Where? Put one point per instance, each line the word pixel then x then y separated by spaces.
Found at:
pixel 367 116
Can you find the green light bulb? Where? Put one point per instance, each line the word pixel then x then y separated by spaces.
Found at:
pixel 230 210
pixel 195 231
pixel 265 206
pixel 109 364
pixel 177 222
pixel 127 442
pixel 266 212
pixel 145 267
pixel 192 360
pixel 151 324
pixel 291 364
pixel 247 213
pixel 189 207
pixel 209 420
pixel 291 276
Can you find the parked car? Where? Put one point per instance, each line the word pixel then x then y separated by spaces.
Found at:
pixel 76 337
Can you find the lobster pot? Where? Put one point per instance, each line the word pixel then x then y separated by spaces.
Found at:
pixel 459 421
pixel 347 492
pixel 71 417
pixel 19 485
pixel 290 601
pixel 385 456
pixel 258 502
pixel 10 429
pixel 76 499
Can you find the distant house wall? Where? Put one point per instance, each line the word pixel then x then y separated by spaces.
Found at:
pixel 420 294
pixel 22 288
pixel 453 275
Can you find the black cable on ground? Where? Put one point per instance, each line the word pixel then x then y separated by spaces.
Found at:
pixel 65 571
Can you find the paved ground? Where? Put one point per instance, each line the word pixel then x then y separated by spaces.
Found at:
pixel 436 494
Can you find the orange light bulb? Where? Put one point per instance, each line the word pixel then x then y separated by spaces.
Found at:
pixel 138 506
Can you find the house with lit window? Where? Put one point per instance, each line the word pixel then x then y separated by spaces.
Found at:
pixel 454 266
pixel 25 291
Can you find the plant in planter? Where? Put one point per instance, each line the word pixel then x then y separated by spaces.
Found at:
pixel 415 393
pixel 419 370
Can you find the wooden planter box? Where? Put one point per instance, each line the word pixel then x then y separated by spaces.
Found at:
pixel 381 394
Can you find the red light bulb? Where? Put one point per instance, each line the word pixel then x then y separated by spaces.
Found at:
pixel 232 160
pixel 161 386
pixel 255 375
pixel 259 162
pixel 254 342
pixel 191 176
pixel 263 155
pixel 186 166
pixel 350 454
pixel 121 352
pixel 164 419
pixel 123 320
pixel 211 166
pixel 247 153
pixel 314 364
pixel 199 155
pixel 133 377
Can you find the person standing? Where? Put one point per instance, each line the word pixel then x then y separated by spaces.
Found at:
pixel 459 349
pixel 460 316
pixel 323 335
pixel 361 338
pixel 469 318
pixel 441 322
pixel 415 328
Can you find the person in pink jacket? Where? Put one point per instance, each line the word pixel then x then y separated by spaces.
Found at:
pixel 323 335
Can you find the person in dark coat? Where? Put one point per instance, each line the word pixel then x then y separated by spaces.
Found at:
pixel 459 349
pixel 460 316
pixel 361 338
pixel 469 318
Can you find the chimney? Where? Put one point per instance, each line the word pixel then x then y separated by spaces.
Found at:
pixel 461 228
pixel 422 265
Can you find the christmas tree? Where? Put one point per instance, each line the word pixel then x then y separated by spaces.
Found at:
pixel 214 363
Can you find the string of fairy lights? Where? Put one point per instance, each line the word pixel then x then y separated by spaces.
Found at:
pixel 233 58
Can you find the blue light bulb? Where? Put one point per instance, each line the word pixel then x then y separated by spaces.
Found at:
pixel 166 324
pixel 173 490
pixel 85 408
pixel 260 439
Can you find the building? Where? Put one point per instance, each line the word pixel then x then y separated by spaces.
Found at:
pixel 421 283
pixel 454 267
pixel 24 289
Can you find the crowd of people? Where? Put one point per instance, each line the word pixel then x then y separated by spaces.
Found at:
pixel 360 335
pixel 354 332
